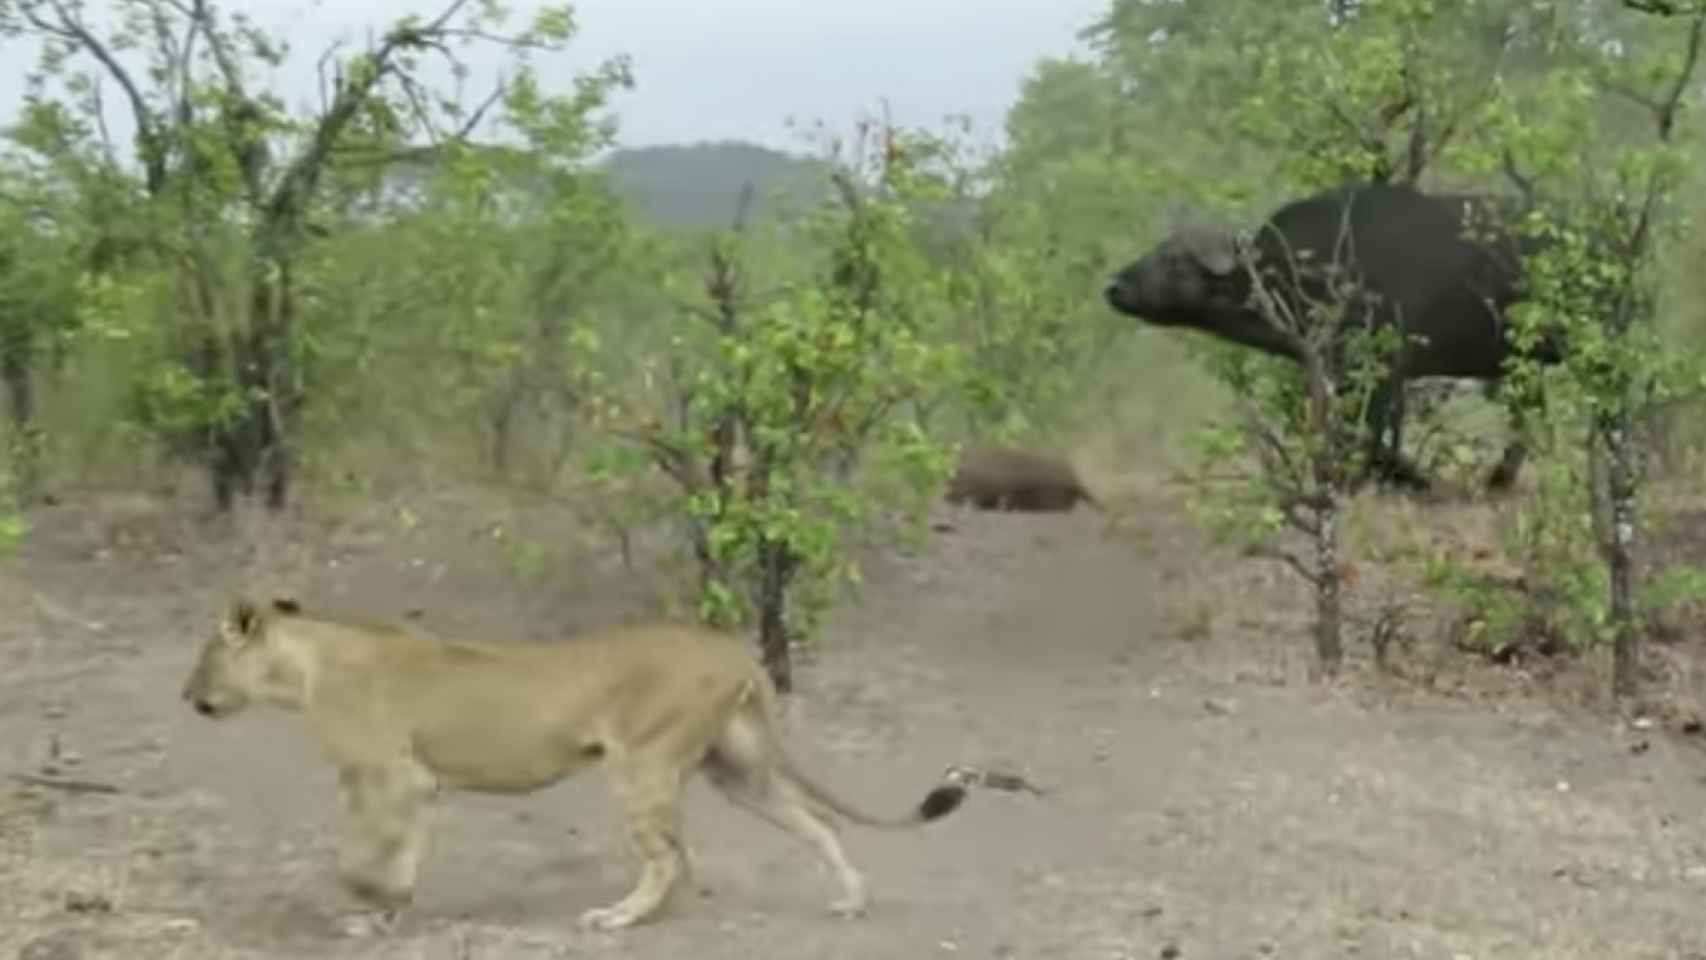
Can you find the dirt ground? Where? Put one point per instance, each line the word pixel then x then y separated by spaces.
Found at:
pixel 1200 798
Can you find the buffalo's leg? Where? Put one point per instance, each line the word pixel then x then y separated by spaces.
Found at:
pixel 1386 440
pixel 1520 405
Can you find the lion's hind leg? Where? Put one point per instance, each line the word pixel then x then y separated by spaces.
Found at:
pixel 739 765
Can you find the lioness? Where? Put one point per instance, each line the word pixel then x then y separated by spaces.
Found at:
pixel 402 715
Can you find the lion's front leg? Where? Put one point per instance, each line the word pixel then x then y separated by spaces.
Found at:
pixel 651 801
pixel 387 813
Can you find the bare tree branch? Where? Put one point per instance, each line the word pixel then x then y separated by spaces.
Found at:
pixel 303 173
pixel 1666 8
pixel 411 90
pixel 326 57
pixel 1264 552
pixel 474 119
pixel 1524 184
pixel 70 28
pixel 1294 508
pixel 108 149
pixel 672 458
pixel 1665 117
pixel 1667 111
pixel 519 43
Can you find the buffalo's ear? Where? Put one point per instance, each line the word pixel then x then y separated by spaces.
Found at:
pixel 1215 250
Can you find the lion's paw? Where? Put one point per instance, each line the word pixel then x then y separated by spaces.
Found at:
pixel 607 918
pixel 370 924
pixel 849 907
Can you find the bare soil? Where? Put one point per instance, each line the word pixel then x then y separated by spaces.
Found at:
pixel 1201 798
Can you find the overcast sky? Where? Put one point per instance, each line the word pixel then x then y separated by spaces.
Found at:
pixel 716 69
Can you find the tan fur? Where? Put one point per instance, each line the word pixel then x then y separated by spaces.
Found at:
pixel 402 716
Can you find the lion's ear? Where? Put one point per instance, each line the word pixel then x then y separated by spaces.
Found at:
pixel 243 616
pixel 286 605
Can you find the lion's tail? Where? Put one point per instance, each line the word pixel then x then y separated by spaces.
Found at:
pixel 1087 497
pixel 942 799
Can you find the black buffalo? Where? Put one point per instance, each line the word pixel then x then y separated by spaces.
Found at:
pixel 1439 262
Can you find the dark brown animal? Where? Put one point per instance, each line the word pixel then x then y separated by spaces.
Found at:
pixel 1434 278
pixel 1003 478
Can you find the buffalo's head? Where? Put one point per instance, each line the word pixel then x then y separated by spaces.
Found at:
pixel 1194 271
pixel 1196 278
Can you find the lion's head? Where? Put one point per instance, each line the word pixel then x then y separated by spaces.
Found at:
pixel 239 663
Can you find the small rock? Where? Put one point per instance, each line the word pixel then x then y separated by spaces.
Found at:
pixel 1642 723
pixel 1563 786
pixel 1695 873
pixel 1220 708
pixel 1169 951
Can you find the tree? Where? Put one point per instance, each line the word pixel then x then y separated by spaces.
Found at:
pixel 1379 91
pixel 512 249
pixel 39 309
pixel 1305 422
pixel 235 187
pixel 1608 214
pixel 803 349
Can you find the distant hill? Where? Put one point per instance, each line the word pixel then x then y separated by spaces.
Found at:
pixel 699 185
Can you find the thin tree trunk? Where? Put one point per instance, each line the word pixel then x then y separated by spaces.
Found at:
pixel 1328 478
pixel 20 389
pixel 25 440
pixel 504 412
pixel 777 571
pixel 1620 552
pixel 274 412
pixel 1329 647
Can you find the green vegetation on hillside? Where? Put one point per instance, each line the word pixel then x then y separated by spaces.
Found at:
pixel 695 186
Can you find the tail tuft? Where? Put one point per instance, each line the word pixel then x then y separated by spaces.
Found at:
pixel 941 801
